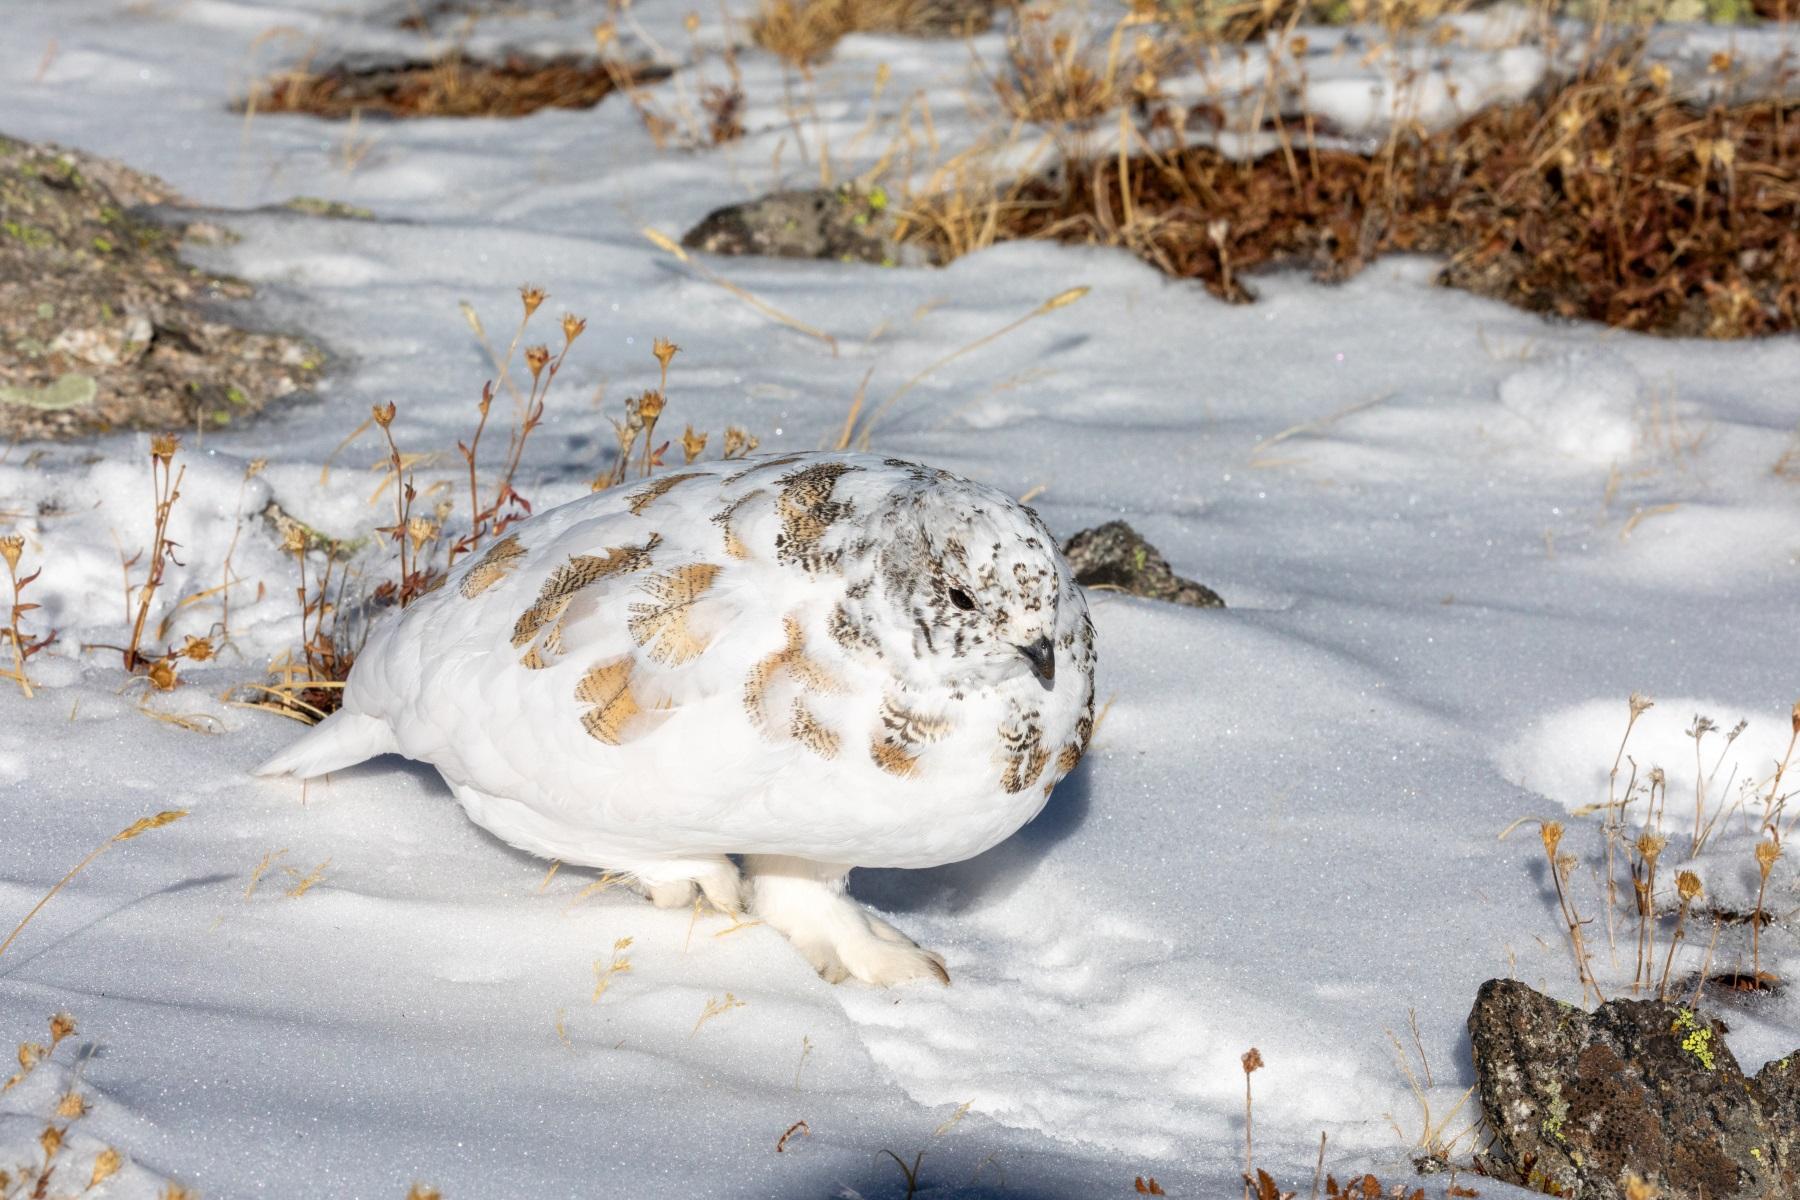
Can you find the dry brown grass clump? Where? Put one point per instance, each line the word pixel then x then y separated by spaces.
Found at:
pixel 1063 75
pixel 1605 197
pixel 803 32
pixel 454 85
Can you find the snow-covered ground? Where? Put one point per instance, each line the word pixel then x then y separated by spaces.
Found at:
pixel 1453 539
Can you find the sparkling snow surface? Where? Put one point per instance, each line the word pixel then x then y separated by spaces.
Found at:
pixel 1453 539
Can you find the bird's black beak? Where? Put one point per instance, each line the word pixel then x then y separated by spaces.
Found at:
pixel 1042 657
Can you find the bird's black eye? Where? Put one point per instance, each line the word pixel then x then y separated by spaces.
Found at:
pixel 962 599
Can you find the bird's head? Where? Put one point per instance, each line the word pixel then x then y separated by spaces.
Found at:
pixel 973 579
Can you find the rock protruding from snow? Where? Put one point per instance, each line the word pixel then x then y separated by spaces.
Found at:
pixel 842 224
pixel 104 326
pixel 1580 1102
pixel 1115 555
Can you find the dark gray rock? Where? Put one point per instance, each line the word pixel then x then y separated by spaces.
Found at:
pixel 1577 1102
pixel 1114 555
pixel 841 224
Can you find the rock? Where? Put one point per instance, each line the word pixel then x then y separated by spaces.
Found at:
pixel 1577 1102
pixel 842 224
pixel 336 210
pixel 102 326
pixel 1113 555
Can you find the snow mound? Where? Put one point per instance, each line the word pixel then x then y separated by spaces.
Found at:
pixel 1567 754
pixel 1583 405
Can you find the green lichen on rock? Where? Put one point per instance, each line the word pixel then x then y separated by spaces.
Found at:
pixel 67 391
pixel 1577 1102
pixel 1696 1038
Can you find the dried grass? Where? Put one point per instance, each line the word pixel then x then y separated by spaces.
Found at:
pixel 1604 197
pixel 453 85
pixel 136 829
pixel 803 32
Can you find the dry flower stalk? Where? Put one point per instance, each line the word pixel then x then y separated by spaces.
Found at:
pixel 1252 1061
pixel 1551 833
pixel 12 546
pixel 1767 852
pixel 1687 886
pixel 167 489
pixel 1649 848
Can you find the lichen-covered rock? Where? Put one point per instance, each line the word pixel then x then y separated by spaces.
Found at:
pixel 1115 556
pixel 1578 1102
pixel 102 326
pixel 842 224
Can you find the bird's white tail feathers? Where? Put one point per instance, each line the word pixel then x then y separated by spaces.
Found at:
pixel 341 740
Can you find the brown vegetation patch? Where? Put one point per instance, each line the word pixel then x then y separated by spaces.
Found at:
pixel 805 31
pixel 102 326
pixel 452 86
pixel 1604 197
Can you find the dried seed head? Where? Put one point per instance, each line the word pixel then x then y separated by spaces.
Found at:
pixel 1719 63
pixel 384 413
pixel 163 446
pixel 1565 863
pixel 650 406
pixel 72 1105
pixel 572 327
pixel 1766 854
pixel 604 33
pixel 739 442
pixel 1650 846
pixel 1688 884
pixel 1659 77
pixel 146 824
pixel 255 467
pixel 1639 703
pixel 162 675
pixel 293 538
pixel 106 1165
pixel 13 543
pixel 1065 298
pixel 197 649
pixel 1794 717
pixel 51 1140
pixel 1252 1059
pixel 1657 778
pixel 692 444
pixel 419 531
pixel 1551 832
pixel 61 1026
pixel 536 359
pixel 665 350
pixel 30 1054
pixel 532 297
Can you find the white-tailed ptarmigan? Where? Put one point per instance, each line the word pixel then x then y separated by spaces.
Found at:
pixel 812 661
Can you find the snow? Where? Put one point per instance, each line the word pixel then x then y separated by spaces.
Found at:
pixel 1453 539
